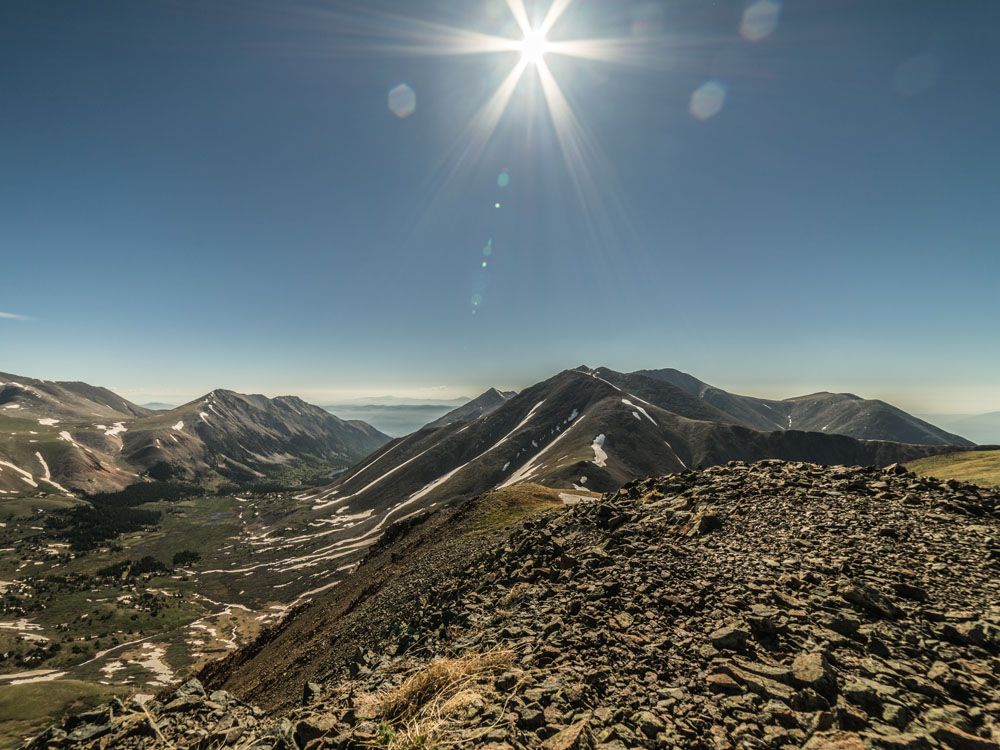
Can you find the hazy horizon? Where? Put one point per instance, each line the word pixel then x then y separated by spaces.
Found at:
pixel 386 198
pixel 913 400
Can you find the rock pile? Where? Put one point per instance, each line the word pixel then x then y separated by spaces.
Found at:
pixel 746 606
pixel 188 717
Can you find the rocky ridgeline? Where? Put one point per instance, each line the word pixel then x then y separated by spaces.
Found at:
pixel 746 606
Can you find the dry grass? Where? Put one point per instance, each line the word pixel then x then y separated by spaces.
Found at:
pixel 510 505
pixel 439 681
pixel 418 713
pixel 514 593
pixel 979 467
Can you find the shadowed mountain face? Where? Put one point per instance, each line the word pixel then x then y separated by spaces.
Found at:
pixel 59 438
pixel 840 413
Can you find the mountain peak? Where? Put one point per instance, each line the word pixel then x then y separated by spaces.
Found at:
pixel 219 393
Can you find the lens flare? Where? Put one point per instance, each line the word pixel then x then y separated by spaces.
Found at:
pixel 402 101
pixel 707 100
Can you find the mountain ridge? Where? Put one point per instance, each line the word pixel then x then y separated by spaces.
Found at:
pixel 823 411
pixel 58 443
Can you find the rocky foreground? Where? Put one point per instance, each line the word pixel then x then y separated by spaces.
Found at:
pixel 746 606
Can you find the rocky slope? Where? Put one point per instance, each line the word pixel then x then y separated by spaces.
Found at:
pixel 759 606
pixel 837 413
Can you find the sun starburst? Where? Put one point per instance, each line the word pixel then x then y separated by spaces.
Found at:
pixel 534 46
pixel 531 49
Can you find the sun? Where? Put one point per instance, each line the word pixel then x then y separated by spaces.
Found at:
pixel 533 47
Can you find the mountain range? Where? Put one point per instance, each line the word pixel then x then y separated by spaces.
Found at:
pixel 840 413
pixel 583 429
pixel 66 437
pixel 598 429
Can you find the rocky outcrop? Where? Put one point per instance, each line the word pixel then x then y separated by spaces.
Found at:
pixel 746 606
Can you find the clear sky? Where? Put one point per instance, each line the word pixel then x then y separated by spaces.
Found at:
pixel 201 194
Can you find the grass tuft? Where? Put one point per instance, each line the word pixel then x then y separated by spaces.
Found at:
pixel 416 714
pixel 437 682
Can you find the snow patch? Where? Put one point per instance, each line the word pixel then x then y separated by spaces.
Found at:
pixel 153 661
pixel 48 422
pixel 179 426
pixel 47 475
pixel 34 675
pixel 25 476
pixel 526 471
pixel 441 480
pixel 675 454
pixel 639 408
pixel 600 455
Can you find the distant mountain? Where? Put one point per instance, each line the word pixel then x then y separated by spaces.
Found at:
pixel 983 429
pixel 481 406
pixel 392 419
pixel 840 413
pixel 399 401
pixel 159 406
pixel 67 437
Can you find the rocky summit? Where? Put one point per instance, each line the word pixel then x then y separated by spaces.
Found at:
pixel 745 606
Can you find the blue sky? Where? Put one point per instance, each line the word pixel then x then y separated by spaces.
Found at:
pixel 203 194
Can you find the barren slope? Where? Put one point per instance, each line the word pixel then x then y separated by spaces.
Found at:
pixel 767 605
